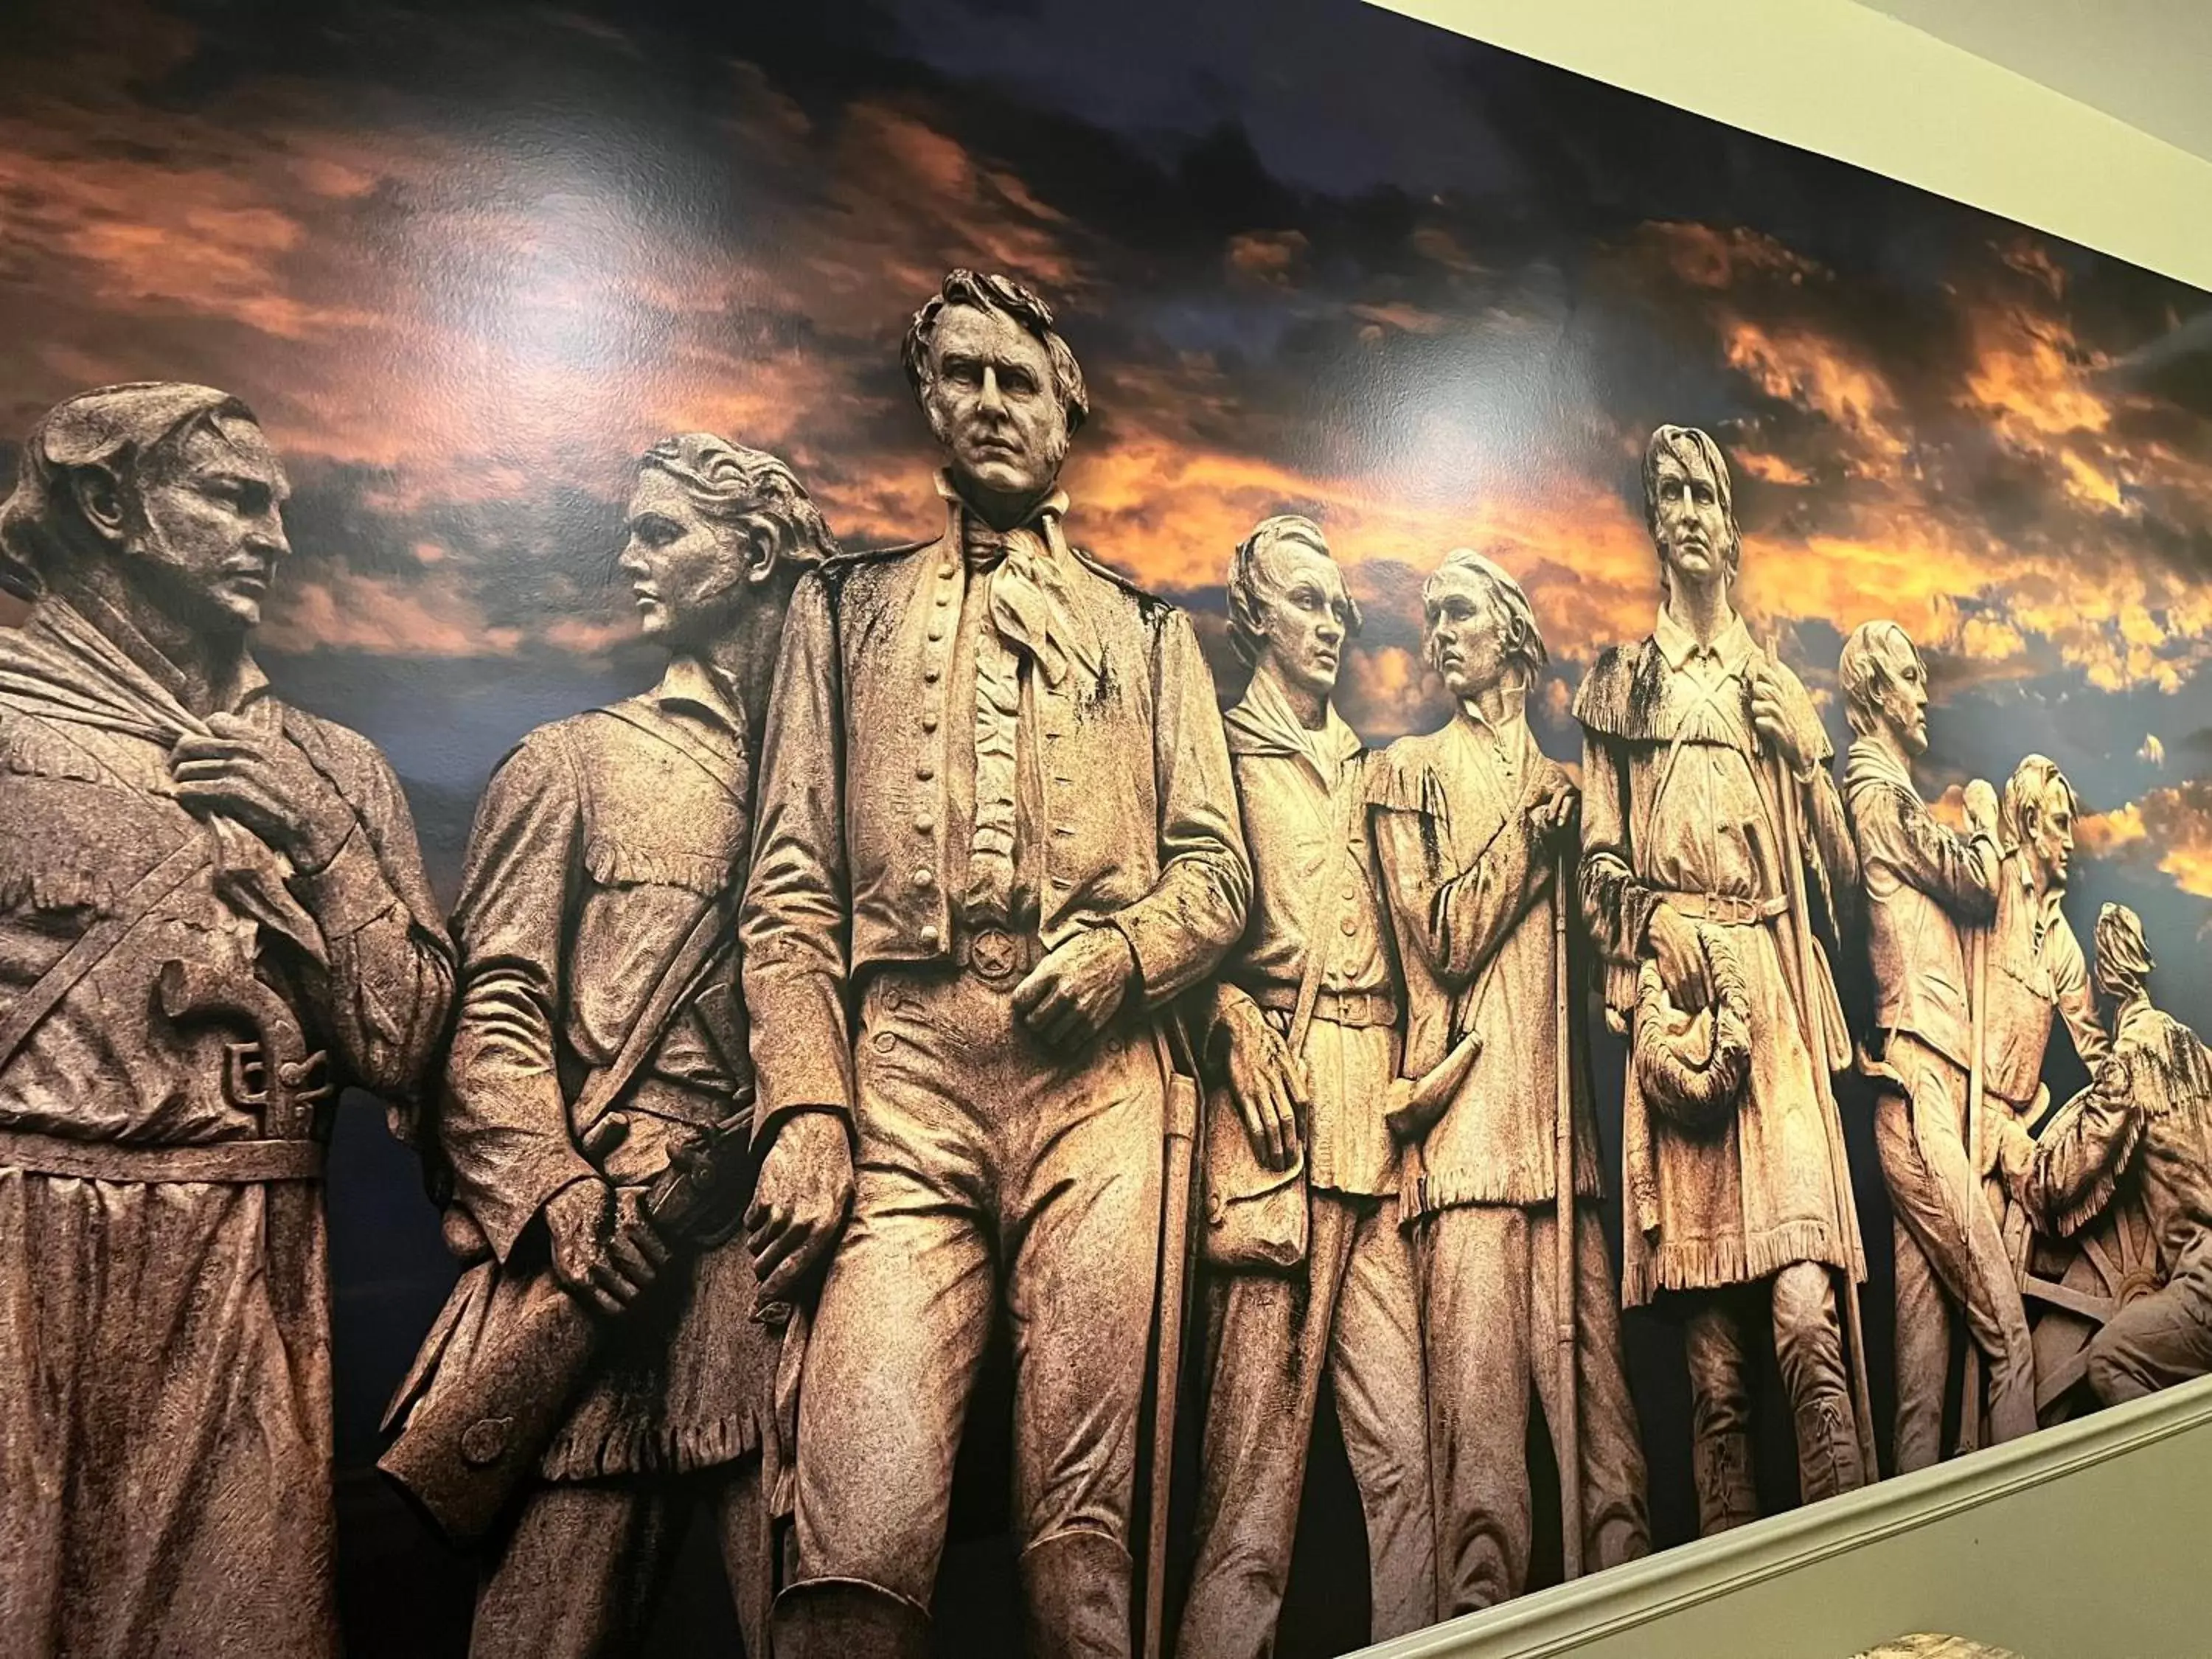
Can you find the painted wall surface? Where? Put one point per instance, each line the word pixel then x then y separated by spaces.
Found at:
pixel 467 262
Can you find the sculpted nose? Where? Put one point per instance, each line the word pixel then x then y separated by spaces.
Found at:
pixel 991 398
pixel 631 560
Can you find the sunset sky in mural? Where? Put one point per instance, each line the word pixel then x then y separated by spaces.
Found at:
pixel 467 261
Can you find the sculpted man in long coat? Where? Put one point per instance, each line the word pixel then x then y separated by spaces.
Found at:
pixel 602 842
pixel 1925 888
pixel 1471 823
pixel 1349 1309
pixel 1686 877
pixel 2141 1132
pixel 212 916
pixel 997 834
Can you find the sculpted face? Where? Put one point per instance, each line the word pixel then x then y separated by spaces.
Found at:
pixel 1905 694
pixel 1467 634
pixel 686 571
pixel 2050 842
pixel 211 526
pixel 1304 614
pixel 1690 525
pixel 992 404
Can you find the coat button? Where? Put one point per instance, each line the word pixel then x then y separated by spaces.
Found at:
pixel 925 771
pixel 922 826
pixel 936 631
pixel 924 876
pixel 929 937
pixel 929 720
pixel 1349 926
pixel 945 570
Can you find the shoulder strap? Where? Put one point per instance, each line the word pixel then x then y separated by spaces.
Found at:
pixel 92 946
pixel 1320 923
pixel 713 765
pixel 687 969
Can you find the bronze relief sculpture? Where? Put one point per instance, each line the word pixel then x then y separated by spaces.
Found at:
pixel 1930 898
pixel 1303 1025
pixel 1712 828
pixel 214 917
pixel 1477 832
pixel 997 840
pixel 2141 1133
pixel 595 1110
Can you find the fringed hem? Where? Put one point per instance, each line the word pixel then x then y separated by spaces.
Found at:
pixel 1711 1264
pixel 1446 1189
pixel 577 1454
pixel 612 865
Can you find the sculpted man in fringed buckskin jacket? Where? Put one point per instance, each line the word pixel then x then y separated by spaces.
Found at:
pixel 212 915
pixel 601 843
pixel 1471 823
pixel 1349 1309
pixel 1685 860
pixel 997 835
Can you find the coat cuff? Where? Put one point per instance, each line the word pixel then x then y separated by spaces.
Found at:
pixel 503 1218
pixel 802 1053
pixel 350 891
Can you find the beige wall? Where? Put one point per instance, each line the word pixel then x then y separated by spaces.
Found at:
pixel 1846 81
pixel 2089 1541
pixel 2086 1541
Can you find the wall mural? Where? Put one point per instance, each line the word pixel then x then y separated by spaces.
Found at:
pixel 1154 829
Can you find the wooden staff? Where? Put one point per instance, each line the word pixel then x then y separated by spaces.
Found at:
pixel 1178 1192
pixel 1566 1428
pixel 1978 973
pixel 1839 1173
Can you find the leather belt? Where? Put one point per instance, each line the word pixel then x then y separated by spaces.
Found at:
pixel 1355 1008
pixel 996 955
pixel 1726 909
pixel 239 1163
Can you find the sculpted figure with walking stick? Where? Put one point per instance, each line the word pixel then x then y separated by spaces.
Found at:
pixel 1304 1026
pixel 1929 892
pixel 1713 842
pixel 213 917
pixel 998 838
pixel 596 1110
pixel 1475 828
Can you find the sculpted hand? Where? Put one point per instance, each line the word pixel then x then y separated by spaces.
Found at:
pixel 1557 819
pixel 1266 1083
pixel 1981 804
pixel 1069 996
pixel 1781 717
pixel 1674 939
pixel 799 1202
pixel 605 1251
pixel 265 783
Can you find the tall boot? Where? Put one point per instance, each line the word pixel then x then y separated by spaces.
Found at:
pixel 849 1618
pixel 1827 1448
pixel 1727 1496
pixel 1075 1592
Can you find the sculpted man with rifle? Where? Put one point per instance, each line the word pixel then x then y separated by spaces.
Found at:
pixel 1303 1024
pixel 1713 837
pixel 1477 831
pixel 212 917
pixel 2141 1130
pixel 1926 889
pixel 599 1358
pixel 997 837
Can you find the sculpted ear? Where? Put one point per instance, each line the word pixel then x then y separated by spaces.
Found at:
pixel 764 553
pixel 99 498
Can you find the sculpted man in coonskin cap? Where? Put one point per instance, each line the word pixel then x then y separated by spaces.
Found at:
pixel 212 916
pixel 997 834
pixel 605 860
pixel 1746 1222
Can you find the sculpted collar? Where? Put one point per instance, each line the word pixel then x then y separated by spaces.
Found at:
pixel 1869 761
pixel 1262 723
pixel 1033 606
pixel 691 687
pixel 1678 646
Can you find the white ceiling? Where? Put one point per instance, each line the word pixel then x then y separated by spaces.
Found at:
pixel 2147 62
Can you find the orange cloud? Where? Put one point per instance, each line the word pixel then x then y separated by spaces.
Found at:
pixel 2170 827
